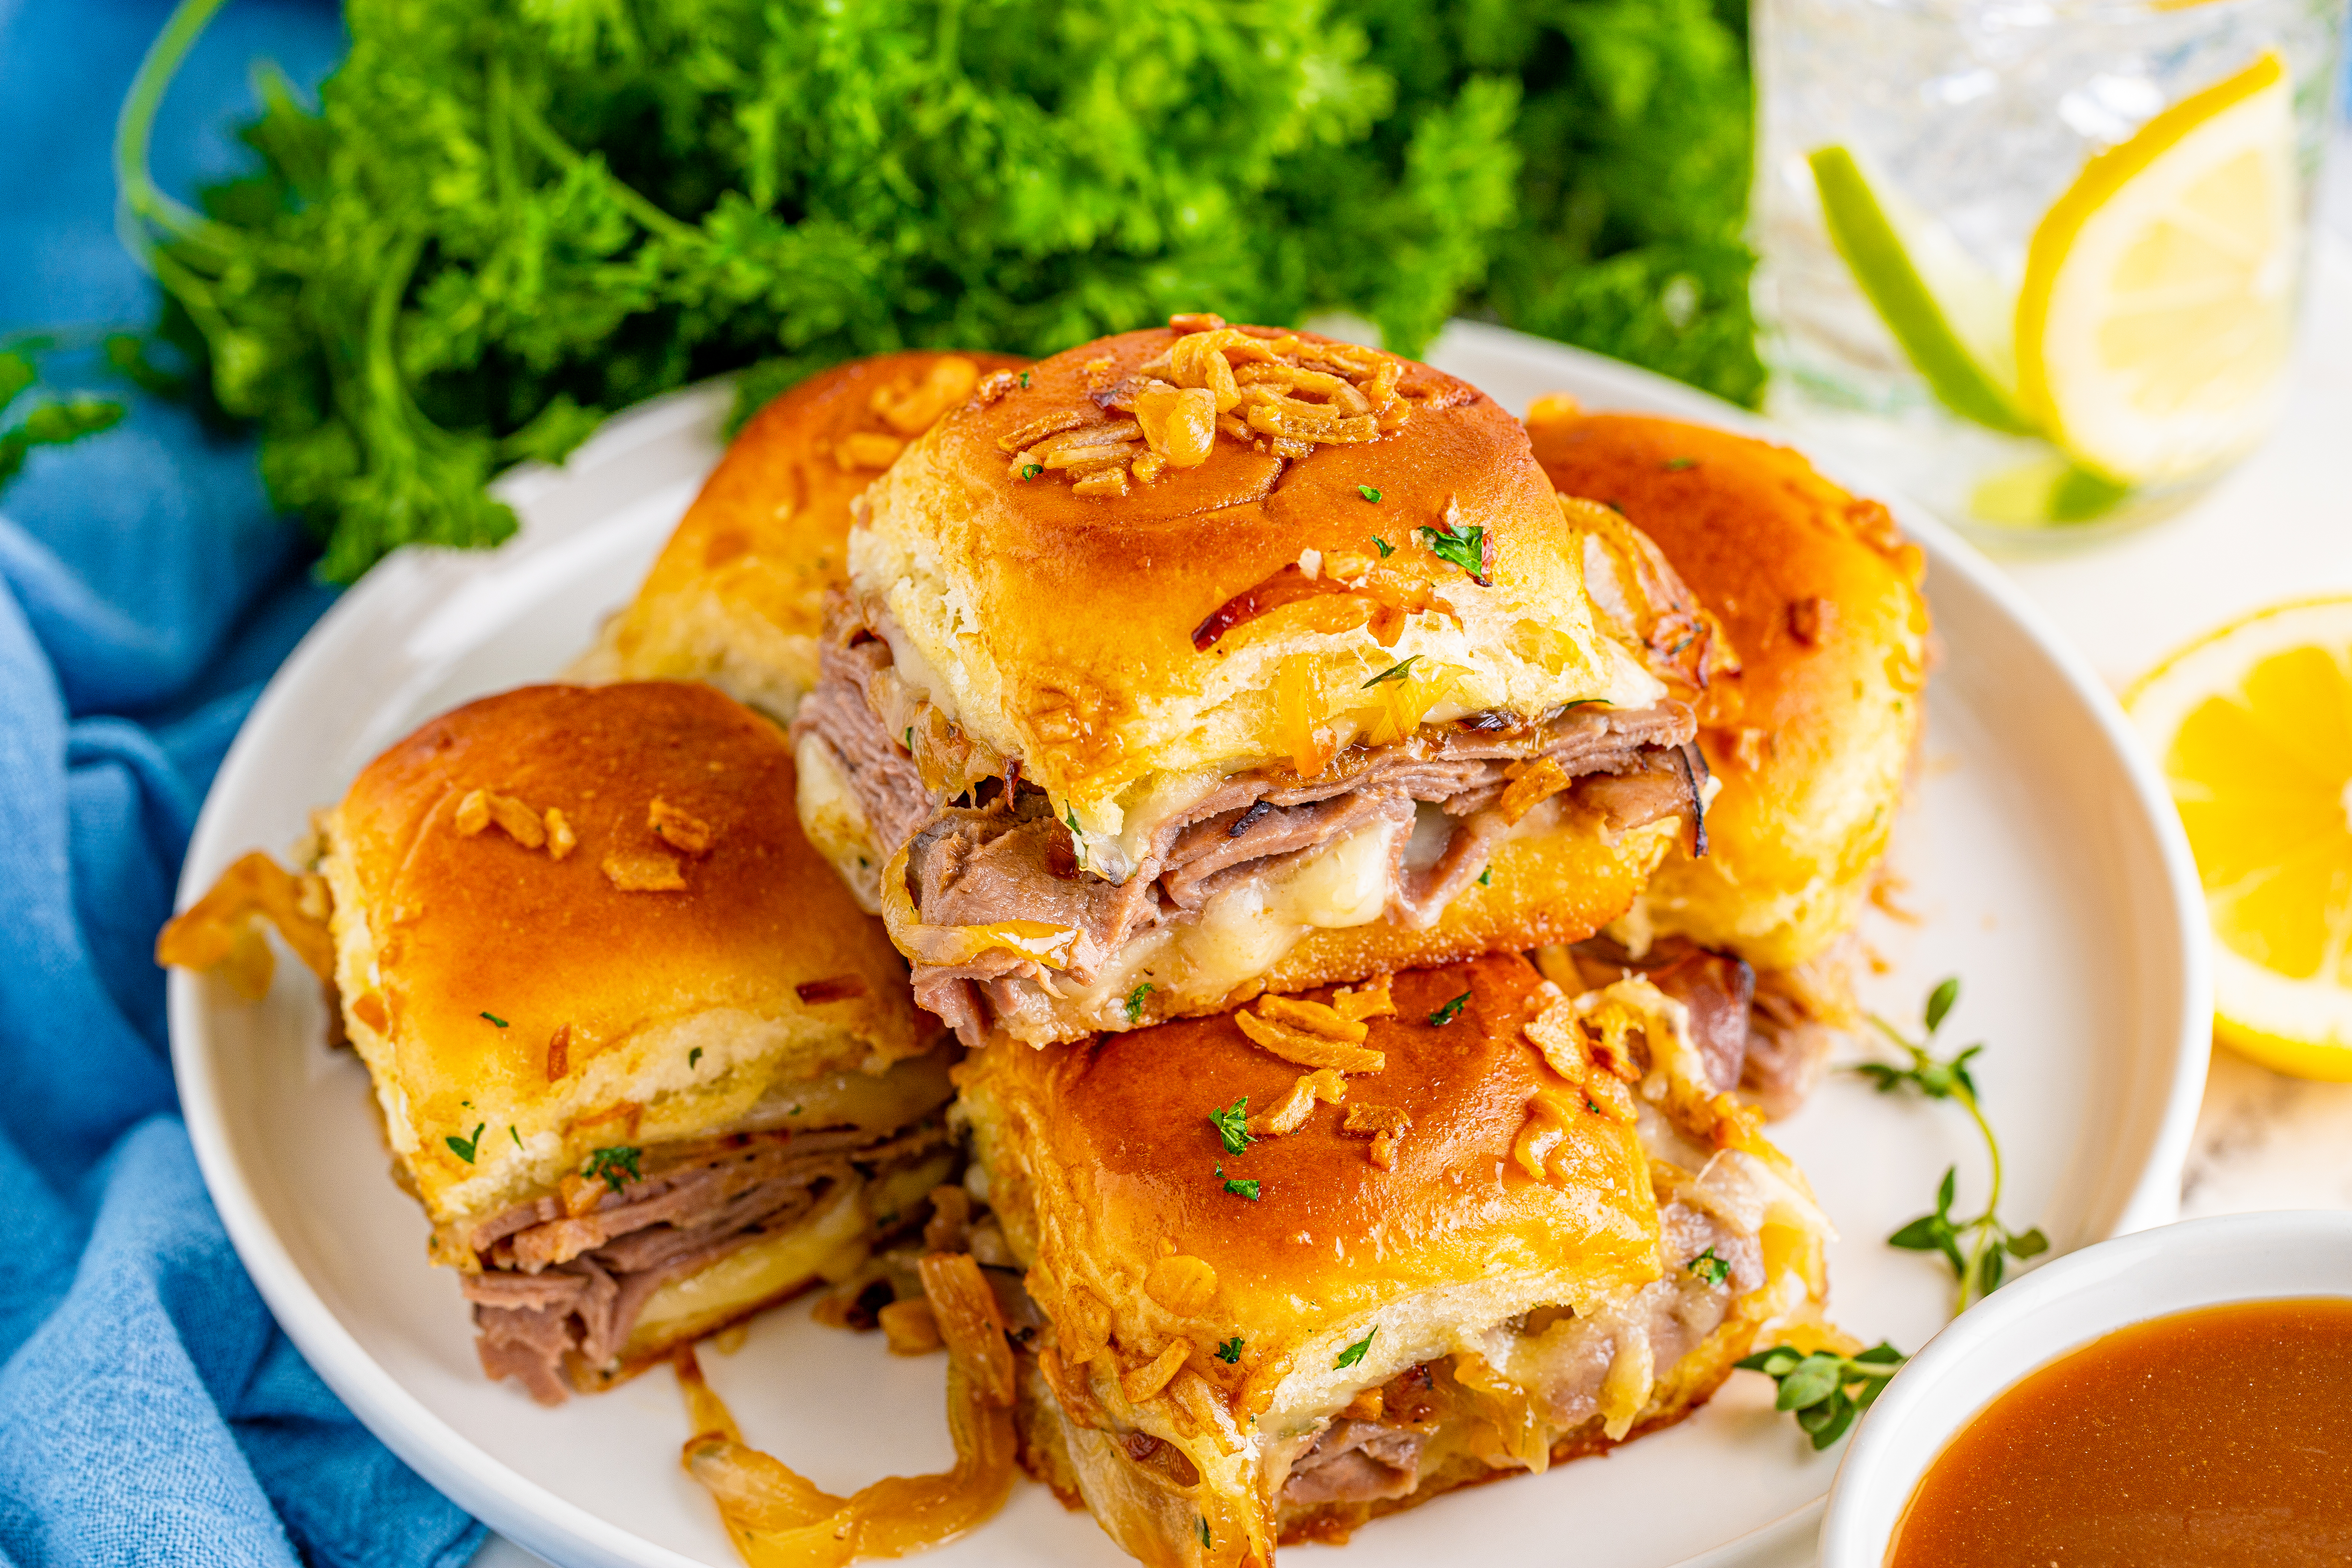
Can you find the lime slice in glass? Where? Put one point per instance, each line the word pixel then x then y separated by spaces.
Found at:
pixel 1949 313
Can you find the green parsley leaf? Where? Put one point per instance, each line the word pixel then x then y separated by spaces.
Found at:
pixel 515 1135
pixel 1355 1352
pixel 1369 493
pixel 464 1147
pixel 1676 465
pixel 1709 1267
pixel 1451 1011
pixel 1134 1002
pixel 1233 1125
pixel 494 1018
pixel 1030 471
pixel 1486 878
pixel 694 1056
pixel 1204 1535
pixel 1243 1188
pixel 908 739
pixel 1230 1351
pixel 1385 548
pixel 1461 545
pixel 618 1165
pixel 1024 379
pixel 1394 672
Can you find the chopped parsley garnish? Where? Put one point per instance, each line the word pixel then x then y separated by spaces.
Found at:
pixel 1385 548
pixel 1394 672
pixel 908 740
pixel 1024 378
pixel 1355 1352
pixel 1369 493
pixel 613 1164
pixel 1460 544
pixel 1233 1125
pixel 1231 1350
pixel 1709 1267
pixel 1030 471
pixel 1204 1535
pixel 1486 878
pixel 1077 844
pixel 464 1147
pixel 515 1136
pixel 1451 1011
pixel 1135 1001
pixel 1240 1187
pixel 694 1056
pixel 494 1018
pixel 1676 465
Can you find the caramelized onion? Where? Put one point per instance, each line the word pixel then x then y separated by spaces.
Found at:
pixel 779 1519
pixel 217 931
pixel 950 945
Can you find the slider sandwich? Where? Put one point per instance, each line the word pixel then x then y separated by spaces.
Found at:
pixel 1203 660
pixel 1329 1257
pixel 737 596
pixel 1812 738
pixel 643 1062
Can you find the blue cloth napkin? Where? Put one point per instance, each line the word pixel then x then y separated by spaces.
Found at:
pixel 150 1409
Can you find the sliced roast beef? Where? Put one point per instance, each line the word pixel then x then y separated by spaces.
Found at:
pixel 1355 1461
pixel 558 1286
pixel 997 853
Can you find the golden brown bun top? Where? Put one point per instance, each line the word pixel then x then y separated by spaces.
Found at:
pixel 464 956
pixel 1103 1161
pixel 1060 626
pixel 769 534
pixel 1812 737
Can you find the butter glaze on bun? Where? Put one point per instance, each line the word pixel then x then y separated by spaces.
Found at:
pixel 462 956
pixel 1813 737
pixel 1059 627
pixel 1325 1325
pixel 736 597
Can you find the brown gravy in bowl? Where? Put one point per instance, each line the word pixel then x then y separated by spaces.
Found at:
pixel 2205 1439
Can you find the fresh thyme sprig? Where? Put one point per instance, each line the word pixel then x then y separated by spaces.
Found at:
pixel 1826 1391
pixel 1978 1248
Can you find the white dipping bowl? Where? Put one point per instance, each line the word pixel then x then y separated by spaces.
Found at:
pixel 2059 1308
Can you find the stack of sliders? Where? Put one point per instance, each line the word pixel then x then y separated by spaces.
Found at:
pixel 1345 866
pixel 1219 718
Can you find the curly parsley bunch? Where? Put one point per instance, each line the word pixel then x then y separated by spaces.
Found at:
pixel 506 219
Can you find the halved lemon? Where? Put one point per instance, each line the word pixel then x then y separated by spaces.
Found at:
pixel 2154 320
pixel 2253 727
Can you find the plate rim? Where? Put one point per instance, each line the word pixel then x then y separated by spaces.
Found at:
pixel 545 1523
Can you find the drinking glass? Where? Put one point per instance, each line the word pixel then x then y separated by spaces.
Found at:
pixel 2039 261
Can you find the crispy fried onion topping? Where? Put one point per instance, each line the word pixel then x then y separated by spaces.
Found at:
pixel 1317 1033
pixel 1360 593
pixel 779 1519
pixel 1282 395
pixel 950 945
pixel 1644 600
pixel 221 931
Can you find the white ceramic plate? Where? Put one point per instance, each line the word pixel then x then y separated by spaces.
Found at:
pixel 2045 866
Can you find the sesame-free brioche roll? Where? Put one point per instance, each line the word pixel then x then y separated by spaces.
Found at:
pixel 1811 737
pixel 1205 658
pixel 737 596
pixel 641 1060
pixel 1498 1228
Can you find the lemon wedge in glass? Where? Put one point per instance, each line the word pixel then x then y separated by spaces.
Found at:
pixel 2253 727
pixel 2154 319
